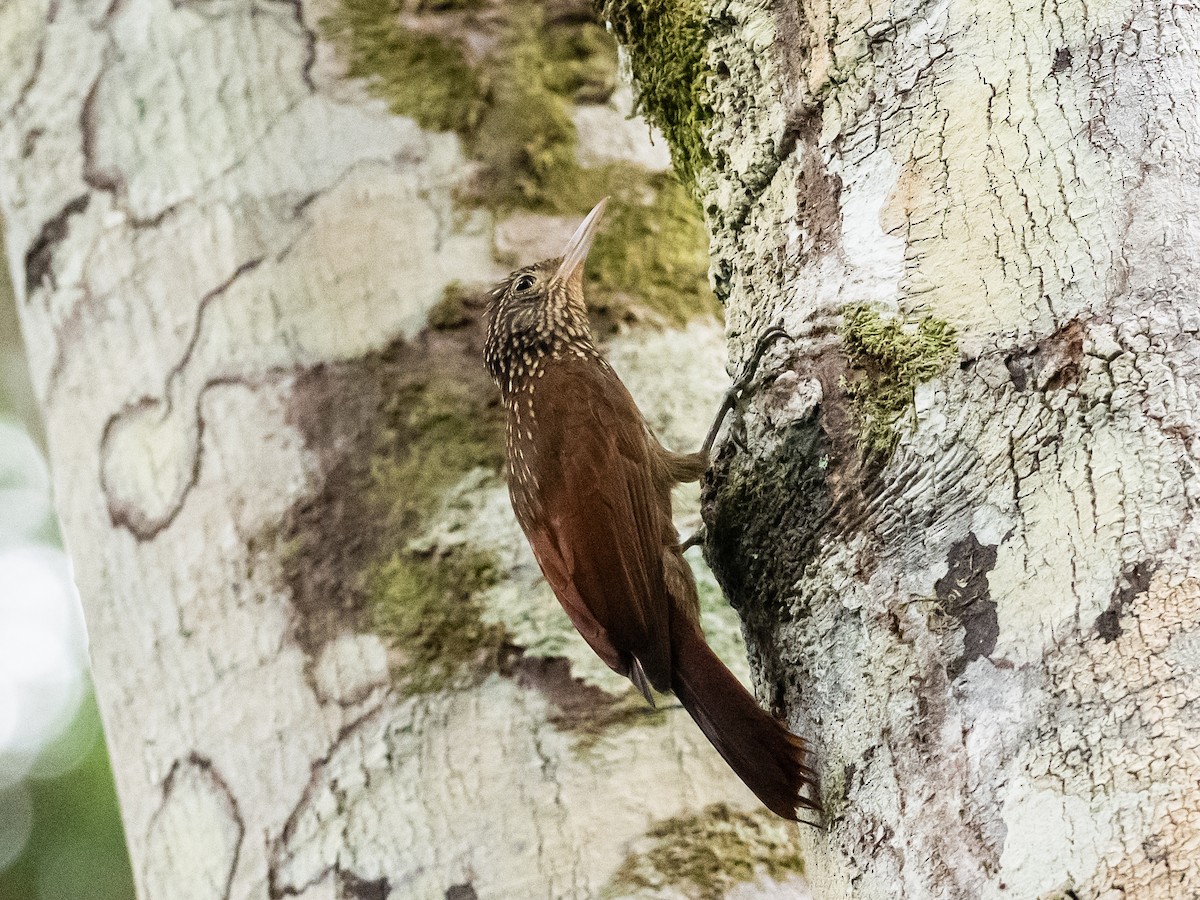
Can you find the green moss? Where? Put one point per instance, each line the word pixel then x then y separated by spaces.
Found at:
pixel 667 42
pixel 580 61
pixel 511 110
pixel 425 437
pixel 450 312
pixel 396 430
pixel 629 710
pixel 420 75
pixel 525 136
pixel 653 252
pixel 433 433
pixel 425 608
pixel 893 358
pixel 525 140
pixel 710 853
pixel 651 255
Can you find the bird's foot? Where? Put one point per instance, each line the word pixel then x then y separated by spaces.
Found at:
pixel 769 337
pixel 694 541
pixel 743 381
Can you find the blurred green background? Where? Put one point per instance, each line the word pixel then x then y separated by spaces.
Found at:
pixel 60 828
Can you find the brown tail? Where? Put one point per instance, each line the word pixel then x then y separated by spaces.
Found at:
pixel 760 750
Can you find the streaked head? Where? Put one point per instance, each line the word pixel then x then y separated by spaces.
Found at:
pixel 539 310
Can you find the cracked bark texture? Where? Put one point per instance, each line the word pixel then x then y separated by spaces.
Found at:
pixel 990 634
pixel 203 218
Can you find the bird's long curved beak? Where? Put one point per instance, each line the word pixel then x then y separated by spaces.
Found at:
pixel 579 245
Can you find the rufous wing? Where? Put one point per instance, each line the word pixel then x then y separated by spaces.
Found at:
pixel 599 526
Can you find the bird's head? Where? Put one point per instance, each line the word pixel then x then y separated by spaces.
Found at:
pixel 539 310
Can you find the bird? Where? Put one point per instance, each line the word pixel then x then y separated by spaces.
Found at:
pixel 590 485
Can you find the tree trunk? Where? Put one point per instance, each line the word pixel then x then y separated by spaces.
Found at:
pixel 250 241
pixel 960 527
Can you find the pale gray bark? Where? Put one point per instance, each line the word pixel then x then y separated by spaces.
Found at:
pixel 208 226
pixel 990 634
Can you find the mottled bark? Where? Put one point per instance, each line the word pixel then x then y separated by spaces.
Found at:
pixel 961 529
pixel 248 258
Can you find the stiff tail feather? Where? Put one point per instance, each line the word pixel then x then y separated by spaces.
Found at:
pixel 761 751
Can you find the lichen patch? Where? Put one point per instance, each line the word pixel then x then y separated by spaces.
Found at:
pixel 889 359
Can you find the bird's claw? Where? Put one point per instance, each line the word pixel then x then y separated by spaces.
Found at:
pixel 768 337
pixel 694 541
pixel 765 340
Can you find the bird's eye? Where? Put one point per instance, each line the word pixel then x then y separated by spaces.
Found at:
pixel 524 283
